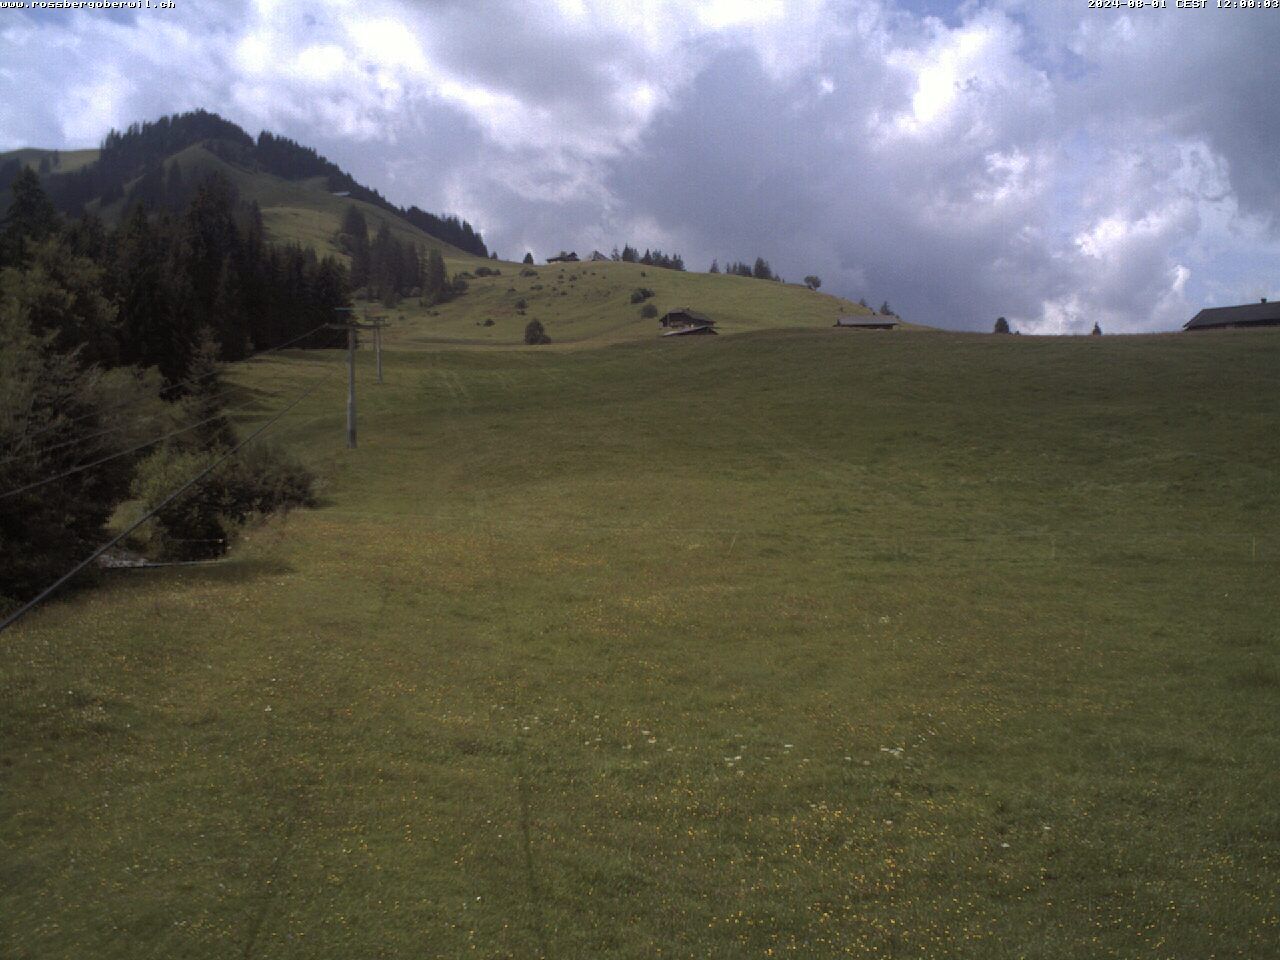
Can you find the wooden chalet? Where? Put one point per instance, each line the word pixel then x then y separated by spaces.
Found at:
pixel 858 321
pixel 682 322
pixel 562 257
pixel 598 257
pixel 1245 316
pixel 684 317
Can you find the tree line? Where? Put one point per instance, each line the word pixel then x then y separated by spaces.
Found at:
pixel 388 269
pixel 141 294
pixel 760 270
pixel 110 339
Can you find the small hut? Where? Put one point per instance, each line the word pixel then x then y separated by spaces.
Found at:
pixel 562 257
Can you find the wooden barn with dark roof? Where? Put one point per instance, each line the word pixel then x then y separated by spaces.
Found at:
pixel 1247 315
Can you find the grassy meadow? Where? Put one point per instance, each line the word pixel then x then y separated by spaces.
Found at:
pixel 590 303
pixel 795 643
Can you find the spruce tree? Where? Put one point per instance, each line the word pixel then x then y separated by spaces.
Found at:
pixel 434 281
pixel 30 218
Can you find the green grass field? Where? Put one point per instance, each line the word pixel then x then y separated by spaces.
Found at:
pixel 802 642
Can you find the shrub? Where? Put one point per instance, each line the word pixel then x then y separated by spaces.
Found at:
pixel 193 526
pixel 535 333
pixel 488 322
pixel 260 480
pixel 648 311
pixel 263 479
pixel 526 272
pixel 521 304
pixel 641 294
pixel 487 272
pixel 464 275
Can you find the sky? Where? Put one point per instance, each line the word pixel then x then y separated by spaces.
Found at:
pixel 1044 161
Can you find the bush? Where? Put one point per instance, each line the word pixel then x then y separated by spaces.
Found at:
pixel 261 480
pixel 488 322
pixel 535 333
pixel 488 272
pixel 521 304
pixel 641 294
pixel 526 272
pixel 648 311
pixel 464 275
pixel 190 528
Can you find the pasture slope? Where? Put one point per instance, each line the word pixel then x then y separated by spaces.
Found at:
pixel 796 643
pixel 575 302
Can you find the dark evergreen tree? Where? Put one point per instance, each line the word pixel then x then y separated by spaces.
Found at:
pixel 715 267
pixel 59 296
pixel 146 330
pixel 52 397
pixel 205 400
pixel 1002 325
pixel 528 258
pixel 31 218
pixel 535 333
pixel 435 283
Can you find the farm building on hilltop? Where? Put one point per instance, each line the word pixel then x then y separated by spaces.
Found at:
pixel 876 321
pixel 684 320
pixel 562 257
pixel 1262 314
pixel 597 256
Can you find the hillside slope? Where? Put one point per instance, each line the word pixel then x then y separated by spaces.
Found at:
pixel 591 302
pixel 793 643
pixel 137 165
pixel 306 211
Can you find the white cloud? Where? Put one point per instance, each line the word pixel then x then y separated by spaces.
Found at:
pixel 1014 158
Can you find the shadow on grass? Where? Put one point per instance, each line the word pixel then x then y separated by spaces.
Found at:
pixel 230 570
